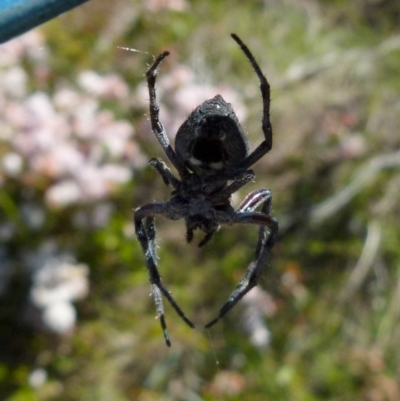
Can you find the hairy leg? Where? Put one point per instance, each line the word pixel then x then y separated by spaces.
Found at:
pixel 156 124
pixel 146 234
pixel 266 145
pixel 266 239
pixel 165 172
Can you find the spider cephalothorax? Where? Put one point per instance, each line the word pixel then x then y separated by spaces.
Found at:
pixel 212 159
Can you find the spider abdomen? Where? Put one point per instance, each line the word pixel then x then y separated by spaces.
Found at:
pixel 211 139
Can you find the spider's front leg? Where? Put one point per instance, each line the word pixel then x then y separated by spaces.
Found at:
pixel 266 145
pixel 266 239
pixel 165 173
pixel 146 234
pixel 239 181
pixel 156 124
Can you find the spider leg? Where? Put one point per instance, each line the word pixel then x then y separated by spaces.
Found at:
pixel 254 199
pixel 239 181
pixel 150 229
pixel 266 145
pixel 245 214
pixel 146 234
pixel 189 235
pixel 165 172
pixel 156 124
pixel 207 238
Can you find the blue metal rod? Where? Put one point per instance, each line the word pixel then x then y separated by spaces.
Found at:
pixel 19 16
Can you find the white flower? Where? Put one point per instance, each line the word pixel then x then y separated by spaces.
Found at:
pixel 84 118
pixel 37 378
pixel 63 194
pixel 115 137
pixel 59 281
pixel 113 173
pixel 56 283
pixel 12 164
pixel 91 182
pixel 66 99
pixel 59 317
pixel 14 81
pixel 91 82
pixel 109 86
pixel 59 161
pixel 40 106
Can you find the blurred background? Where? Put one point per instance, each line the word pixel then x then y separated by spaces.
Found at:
pixel 76 318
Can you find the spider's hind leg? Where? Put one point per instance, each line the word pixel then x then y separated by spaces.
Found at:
pixel 146 234
pixel 266 239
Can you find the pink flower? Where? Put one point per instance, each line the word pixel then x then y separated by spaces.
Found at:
pixel 109 86
pixel 116 174
pixel 63 194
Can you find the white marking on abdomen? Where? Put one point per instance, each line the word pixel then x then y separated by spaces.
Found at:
pixel 217 166
pixel 195 161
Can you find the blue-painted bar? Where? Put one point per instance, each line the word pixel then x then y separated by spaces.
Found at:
pixel 19 16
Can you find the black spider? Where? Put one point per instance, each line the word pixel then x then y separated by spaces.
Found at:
pixel 212 159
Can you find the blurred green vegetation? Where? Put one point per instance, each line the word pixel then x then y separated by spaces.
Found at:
pixel 334 276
